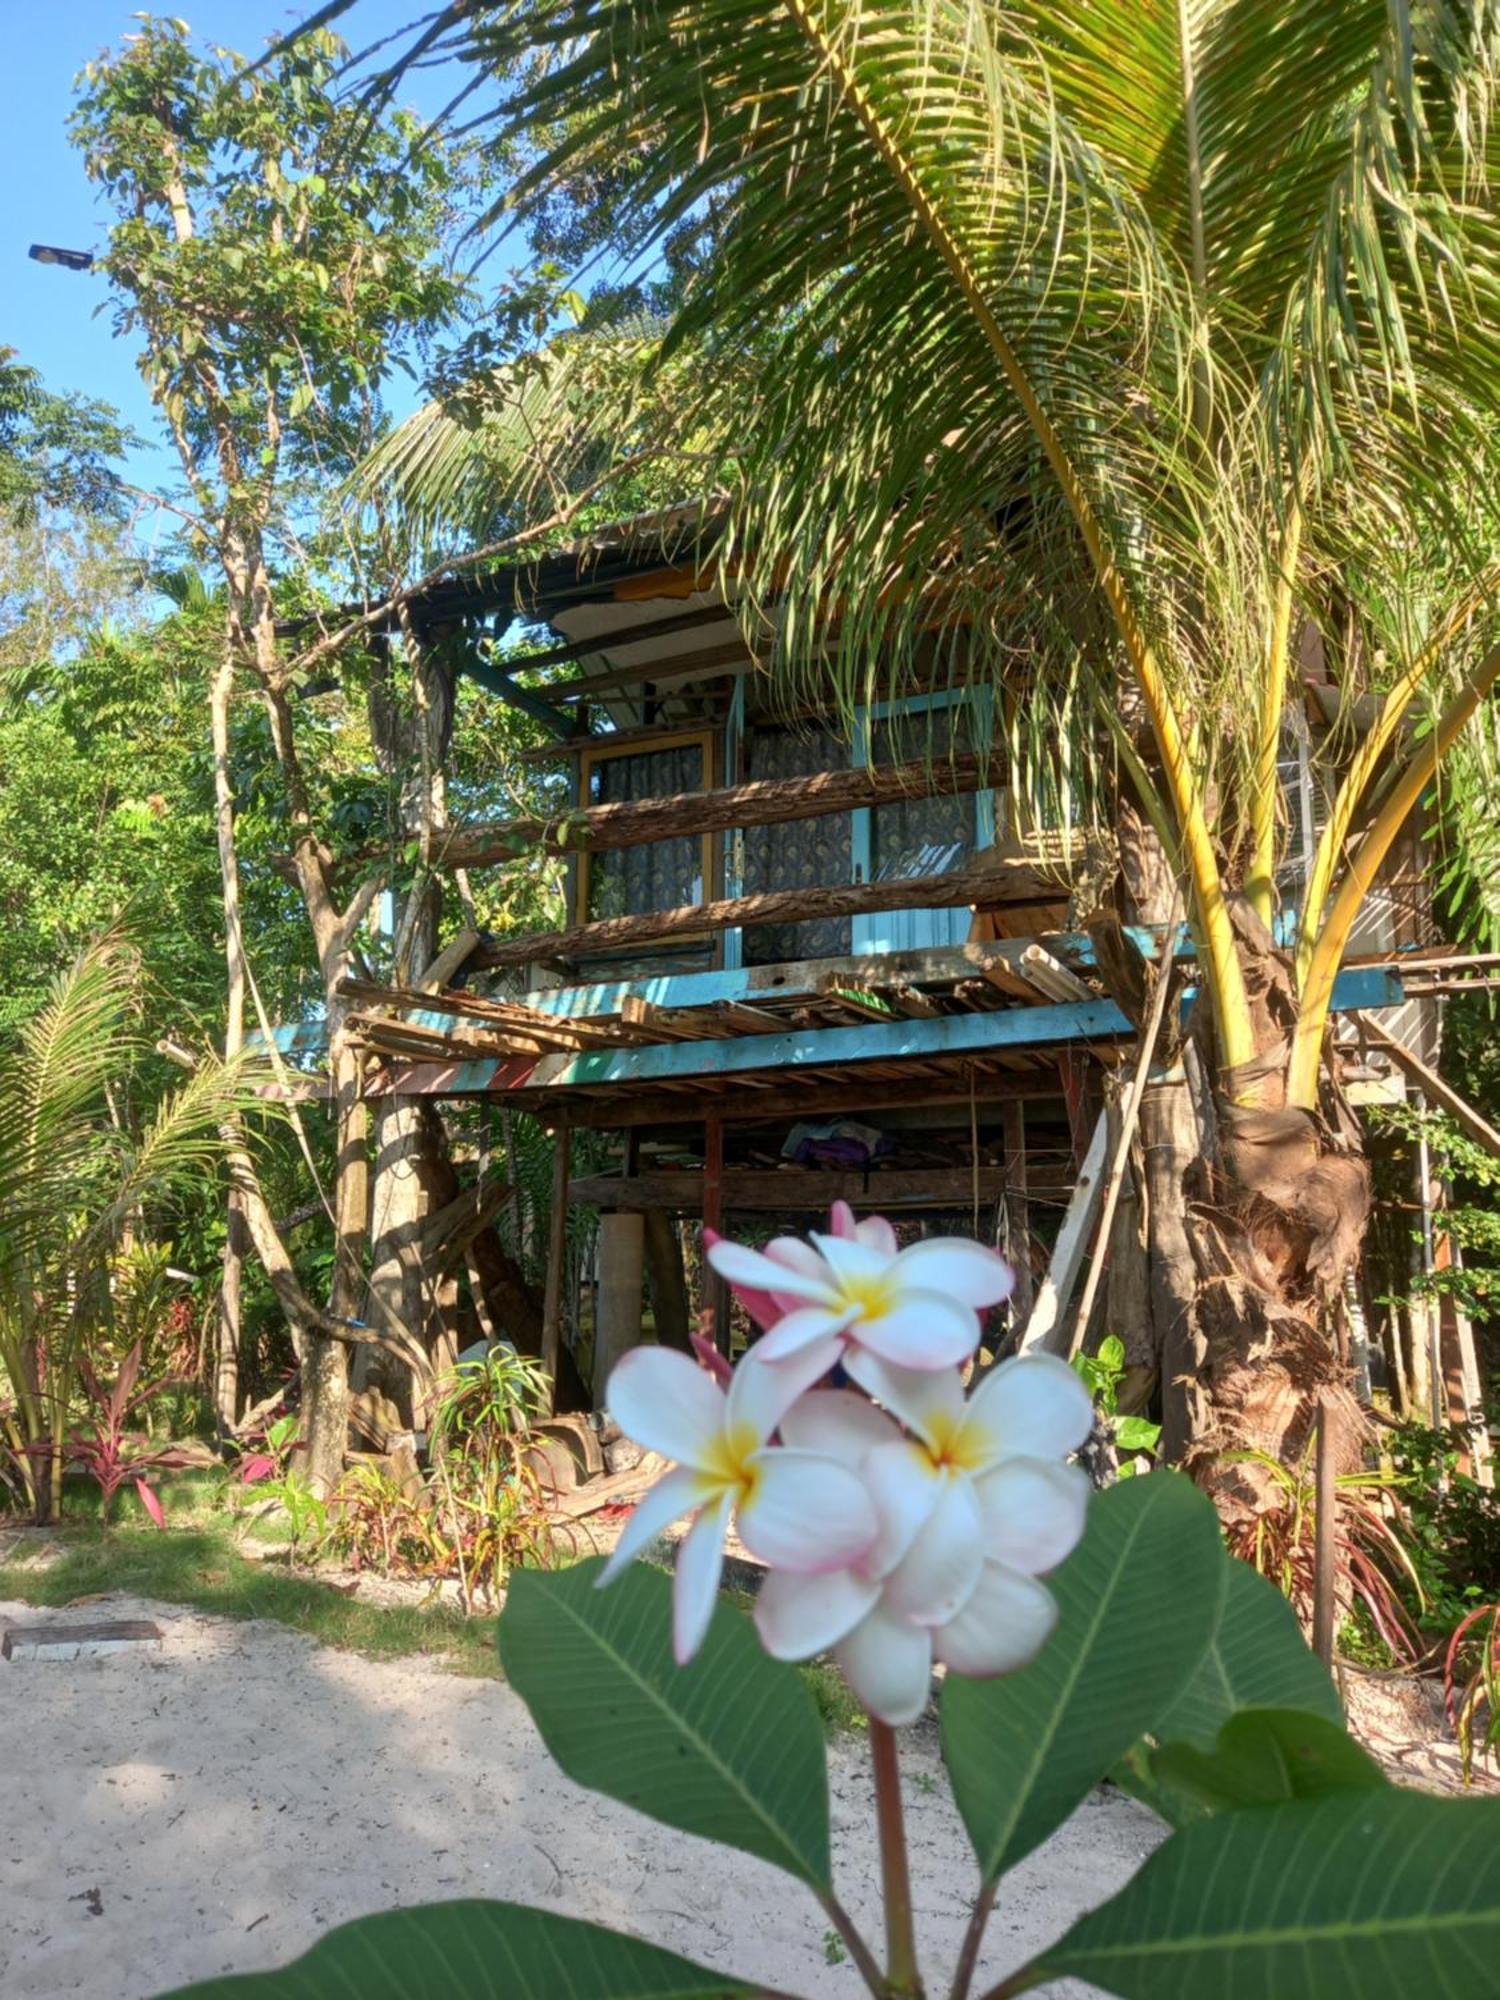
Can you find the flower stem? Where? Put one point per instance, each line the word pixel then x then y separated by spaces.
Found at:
pixel 968 1957
pixel 859 1952
pixel 902 1976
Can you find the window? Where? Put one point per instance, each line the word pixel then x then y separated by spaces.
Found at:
pixel 664 874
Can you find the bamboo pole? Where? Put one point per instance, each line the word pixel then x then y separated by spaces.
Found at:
pixel 1131 1111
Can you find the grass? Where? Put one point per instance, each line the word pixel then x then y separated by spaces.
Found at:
pixel 202 1566
pixel 199 1562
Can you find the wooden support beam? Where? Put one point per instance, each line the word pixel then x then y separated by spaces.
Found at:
pixel 1433 1087
pixel 1017 1211
pixel 810 1190
pixel 732 656
pixel 557 1256
pixel 617 1312
pixel 705 616
pixel 1047 1327
pixel 809 1098
pixel 715 1290
pixel 999 881
pixel 671 1314
pixel 763 802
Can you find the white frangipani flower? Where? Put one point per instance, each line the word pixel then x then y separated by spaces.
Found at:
pixel 800 1511
pixel 973 1507
pixel 915 1308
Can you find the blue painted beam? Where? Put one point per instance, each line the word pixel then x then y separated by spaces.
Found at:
pixel 528 700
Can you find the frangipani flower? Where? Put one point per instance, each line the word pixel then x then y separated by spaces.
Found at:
pixel 854 1289
pixel 973 1508
pixel 801 1512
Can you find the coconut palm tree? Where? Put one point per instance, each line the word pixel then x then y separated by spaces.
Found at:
pixel 1142 357
pixel 78 1183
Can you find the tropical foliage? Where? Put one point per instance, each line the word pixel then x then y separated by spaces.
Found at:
pixel 84 1179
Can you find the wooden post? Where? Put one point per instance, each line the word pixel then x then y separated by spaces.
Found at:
pixel 557 1258
pixel 1325 1530
pixel 669 1298
pixel 617 1312
pixel 715 1291
pixel 1046 1329
pixel 1017 1211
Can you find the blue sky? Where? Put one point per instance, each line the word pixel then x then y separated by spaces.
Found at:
pixel 49 314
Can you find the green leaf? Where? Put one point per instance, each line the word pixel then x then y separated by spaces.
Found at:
pixel 1257 1658
pixel 729 1747
pixel 1265 1756
pixel 482 1951
pixel 1378 1895
pixel 1138 1602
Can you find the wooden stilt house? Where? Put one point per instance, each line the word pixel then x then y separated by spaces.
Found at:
pixel 801 961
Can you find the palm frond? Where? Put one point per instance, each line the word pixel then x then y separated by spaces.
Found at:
pixel 52 1086
pixel 582 414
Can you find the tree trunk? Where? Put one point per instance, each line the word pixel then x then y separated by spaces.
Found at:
pixel 325 1365
pixel 1248 1216
pixel 231 1284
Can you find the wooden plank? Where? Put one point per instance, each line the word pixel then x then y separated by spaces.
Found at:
pixel 1017 1211
pixel 763 802
pixel 448 961
pixel 1438 1092
pixel 805 1188
pixel 557 1258
pixel 43 1644
pixel 730 656
pixel 1047 1328
pixel 992 882
pixel 809 1097
pixel 622 1284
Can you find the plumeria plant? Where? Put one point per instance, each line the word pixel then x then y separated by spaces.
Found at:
pixel 919 1518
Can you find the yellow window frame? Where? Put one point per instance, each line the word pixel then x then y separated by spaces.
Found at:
pixel 676 739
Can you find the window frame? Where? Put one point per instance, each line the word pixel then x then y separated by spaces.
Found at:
pixel 645 746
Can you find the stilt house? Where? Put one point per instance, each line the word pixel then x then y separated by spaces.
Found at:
pixel 801 962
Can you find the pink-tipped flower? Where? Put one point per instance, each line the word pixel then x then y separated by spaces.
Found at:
pixel 801 1512
pixel 974 1506
pixel 853 1289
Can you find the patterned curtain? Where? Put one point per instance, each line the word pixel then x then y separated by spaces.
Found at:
pixel 918 836
pixel 667 874
pixel 804 854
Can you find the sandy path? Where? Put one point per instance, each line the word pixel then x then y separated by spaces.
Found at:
pixel 235 1795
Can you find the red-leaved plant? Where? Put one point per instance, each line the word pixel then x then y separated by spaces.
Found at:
pixel 109 1450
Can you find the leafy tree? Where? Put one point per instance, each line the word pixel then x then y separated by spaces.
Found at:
pixel 1152 352
pixel 55 450
pixel 277 254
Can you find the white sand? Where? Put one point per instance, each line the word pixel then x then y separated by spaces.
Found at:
pixel 237 1794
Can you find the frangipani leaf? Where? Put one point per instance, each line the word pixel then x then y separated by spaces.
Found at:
pixel 730 1747
pixel 1264 1757
pixel 1374 1894
pixel 1257 1658
pixel 480 1951
pixel 1138 1600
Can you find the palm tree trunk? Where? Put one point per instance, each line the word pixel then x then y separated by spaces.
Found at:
pixel 1252 1217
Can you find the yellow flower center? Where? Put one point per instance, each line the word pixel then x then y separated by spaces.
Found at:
pixel 871 1296
pixel 949 1448
pixel 731 1462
